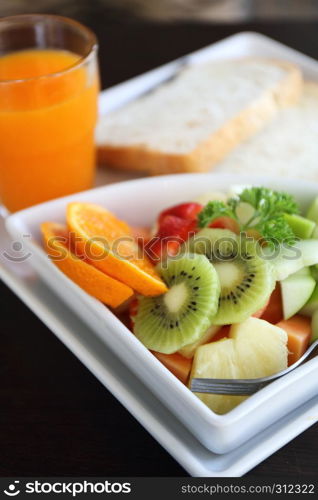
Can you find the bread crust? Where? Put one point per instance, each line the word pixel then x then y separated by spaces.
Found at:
pixel 219 144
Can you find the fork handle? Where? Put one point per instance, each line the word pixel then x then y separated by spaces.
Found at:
pixel 225 387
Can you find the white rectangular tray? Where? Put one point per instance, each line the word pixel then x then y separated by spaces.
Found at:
pixel 240 45
pixel 218 433
pixel 138 202
pixel 133 395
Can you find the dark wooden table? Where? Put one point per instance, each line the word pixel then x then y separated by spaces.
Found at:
pixel 55 417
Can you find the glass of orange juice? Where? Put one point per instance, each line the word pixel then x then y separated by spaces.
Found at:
pixel 48 108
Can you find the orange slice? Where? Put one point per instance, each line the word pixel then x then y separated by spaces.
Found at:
pixel 109 245
pixel 93 281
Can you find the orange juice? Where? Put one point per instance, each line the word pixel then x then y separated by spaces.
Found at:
pixel 48 104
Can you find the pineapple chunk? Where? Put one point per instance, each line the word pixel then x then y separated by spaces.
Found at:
pixel 255 349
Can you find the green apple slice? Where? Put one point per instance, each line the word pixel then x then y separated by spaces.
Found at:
pixel 296 291
pixel 302 227
pixel 314 272
pixel 188 351
pixel 245 212
pixel 314 327
pixel 287 260
pixel 312 304
pixel 312 212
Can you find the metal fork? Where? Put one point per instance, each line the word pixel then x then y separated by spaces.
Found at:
pixel 245 387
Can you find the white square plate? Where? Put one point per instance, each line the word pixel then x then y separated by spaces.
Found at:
pixel 132 393
pixel 139 202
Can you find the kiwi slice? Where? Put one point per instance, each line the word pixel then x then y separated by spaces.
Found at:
pixel 215 244
pixel 168 322
pixel 246 279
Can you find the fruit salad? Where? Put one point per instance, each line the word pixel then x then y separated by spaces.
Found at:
pixel 220 287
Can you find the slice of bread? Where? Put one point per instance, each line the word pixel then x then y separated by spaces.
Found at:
pixel 287 147
pixel 190 123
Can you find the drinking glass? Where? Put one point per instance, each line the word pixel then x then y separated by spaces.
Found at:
pixel 49 85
